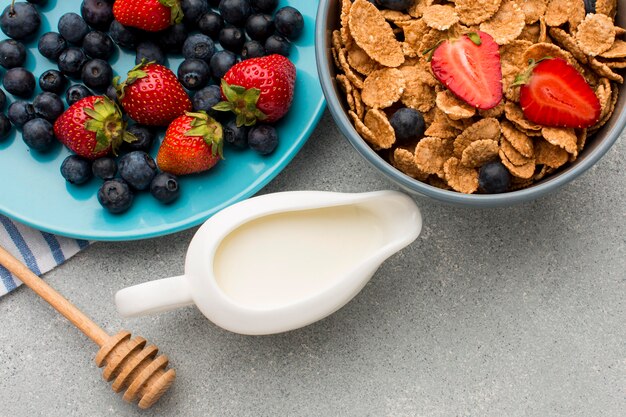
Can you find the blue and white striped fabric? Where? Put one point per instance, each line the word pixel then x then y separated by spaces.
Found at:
pixel 40 251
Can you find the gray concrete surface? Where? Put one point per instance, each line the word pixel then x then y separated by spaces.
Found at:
pixel 503 312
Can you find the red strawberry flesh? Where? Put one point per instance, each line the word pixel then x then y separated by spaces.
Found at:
pixel 557 95
pixel 472 72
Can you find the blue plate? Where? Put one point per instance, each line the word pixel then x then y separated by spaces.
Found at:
pixel 33 191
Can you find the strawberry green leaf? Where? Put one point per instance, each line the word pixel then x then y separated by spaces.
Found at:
pixel 475 37
pixel 224 106
pixel 176 10
pixel 242 102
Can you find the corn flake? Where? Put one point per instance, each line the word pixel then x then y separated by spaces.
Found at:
pixel 617 50
pixel 453 106
pixel 440 17
pixel 479 153
pixel 460 177
pixel 533 10
pixel 512 154
pixel 430 155
pixel 404 161
pixel 377 122
pixel 360 61
pixel 525 171
pixel 562 137
pixel 383 87
pixel 557 12
pixel 595 34
pixel 473 12
pixel 549 154
pixel 488 128
pixel 519 140
pixel 506 24
pixel 419 93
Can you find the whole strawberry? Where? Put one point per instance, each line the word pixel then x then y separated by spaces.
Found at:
pixel 193 143
pixel 92 127
pixel 152 95
pixel 259 89
pixel 148 15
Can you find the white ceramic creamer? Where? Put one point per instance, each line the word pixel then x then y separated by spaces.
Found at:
pixel 281 261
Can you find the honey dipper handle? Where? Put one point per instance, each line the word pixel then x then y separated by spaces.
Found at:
pixel 56 300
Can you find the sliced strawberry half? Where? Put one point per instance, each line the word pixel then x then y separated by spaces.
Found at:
pixel 554 93
pixel 470 67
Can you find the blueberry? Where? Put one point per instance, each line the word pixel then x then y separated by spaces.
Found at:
pixel 75 93
pixel 52 81
pixel 395 4
pixel 76 169
pixel 97 74
pixel 214 3
pixel 51 45
pixel 149 51
pixel 97 13
pixel 259 27
pixel 104 168
pixel 289 22
pixel 232 39
pixel 137 168
pixel 494 178
pixel 5 127
pixel 115 196
pixel 38 2
pixel 263 139
pixel 235 12
pixel 408 124
pixel 252 49
pixel 221 62
pixel 173 38
pixel 206 98
pixel 12 53
pixel 48 106
pixel 164 187
pixel 590 6
pixel 193 10
pixel 3 99
pixel 145 138
pixel 71 61
pixel 194 74
pixel 20 20
pixel 236 135
pixel 276 44
pixel 112 94
pixel 98 45
pixel 199 46
pixel 123 36
pixel 20 112
pixel 19 82
pixel 38 134
pixel 265 6
pixel 210 24
pixel 73 28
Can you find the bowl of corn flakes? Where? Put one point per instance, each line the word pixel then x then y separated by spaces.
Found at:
pixel 479 103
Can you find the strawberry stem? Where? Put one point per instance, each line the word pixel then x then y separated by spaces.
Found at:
pixel 524 76
pixel 106 121
pixel 133 75
pixel 176 11
pixel 242 102
pixel 209 129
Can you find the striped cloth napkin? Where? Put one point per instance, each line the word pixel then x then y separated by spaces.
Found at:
pixel 40 251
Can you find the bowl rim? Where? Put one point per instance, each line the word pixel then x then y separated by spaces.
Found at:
pixel 335 107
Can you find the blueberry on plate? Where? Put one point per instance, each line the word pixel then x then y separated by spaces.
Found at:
pixel 20 20
pixel 173 38
pixel 123 36
pixel 276 44
pixel 73 28
pixel 48 106
pixel 235 12
pixel 252 49
pixel 265 6
pixel 51 45
pixel 38 134
pixel 12 53
pixel 71 62
pixel 20 112
pixel 75 93
pixel 192 11
pixel 259 27
pixel 97 74
pixel 38 2
pixel 98 45
pixel 232 39
pixel 408 124
pixel 115 196
pixel 164 187
pixel 221 62
pixel 19 82
pixel 199 46
pixel 236 135
pixel 395 4
pixel 3 99
pixel 112 94
pixel 289 22
pixel 76 169
pixel 210 24
pixel 104 168
pixel 97 13
pixel 263 139
pixel 145 138
pixel 52 81
pixel 194 74
pixel 5 127
pixel 206 98
pixel 149 51
pixel 138 169
pixel 494 178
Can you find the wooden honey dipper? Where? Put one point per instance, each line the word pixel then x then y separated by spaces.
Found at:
pixel 130 363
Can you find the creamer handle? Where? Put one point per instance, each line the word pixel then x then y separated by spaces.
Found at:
pixel 153 297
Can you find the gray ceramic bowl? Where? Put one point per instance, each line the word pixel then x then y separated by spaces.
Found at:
pixel 328 19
